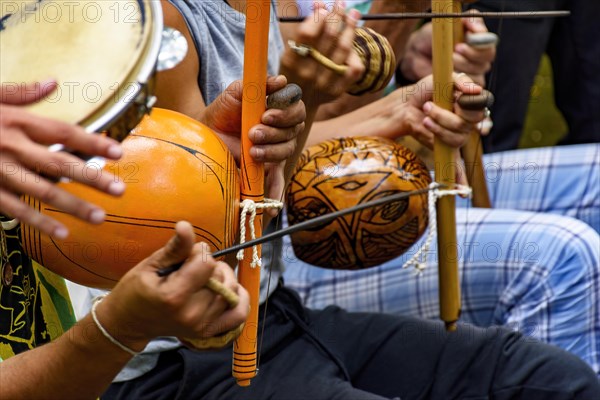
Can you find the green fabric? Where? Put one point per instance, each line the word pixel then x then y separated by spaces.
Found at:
pixel 35 308
pixel 363 7
pixel 60 301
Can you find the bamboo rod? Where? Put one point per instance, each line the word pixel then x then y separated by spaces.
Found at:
pixel 472 153
pixel 445 168
pixel 252 177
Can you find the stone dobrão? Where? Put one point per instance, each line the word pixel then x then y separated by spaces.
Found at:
pixel 341 173
pixel 175 169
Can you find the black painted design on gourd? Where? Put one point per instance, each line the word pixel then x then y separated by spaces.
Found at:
pixel 344 172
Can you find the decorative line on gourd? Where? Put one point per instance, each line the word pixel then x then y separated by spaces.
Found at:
pixel 341 173
pixel 175 169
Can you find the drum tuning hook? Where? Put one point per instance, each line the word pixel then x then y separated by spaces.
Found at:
pixel 173 49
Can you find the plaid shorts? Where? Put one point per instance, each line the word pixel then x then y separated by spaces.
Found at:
pixel 529 263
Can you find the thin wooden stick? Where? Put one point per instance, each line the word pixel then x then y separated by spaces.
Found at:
pixel 472 153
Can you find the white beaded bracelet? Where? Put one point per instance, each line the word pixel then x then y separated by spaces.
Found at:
pixel 105 332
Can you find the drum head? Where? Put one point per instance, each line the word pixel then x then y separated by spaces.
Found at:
pixel 88 47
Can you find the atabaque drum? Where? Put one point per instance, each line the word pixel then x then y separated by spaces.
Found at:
pixel 175 169
pixel 341 173
pixel 103 55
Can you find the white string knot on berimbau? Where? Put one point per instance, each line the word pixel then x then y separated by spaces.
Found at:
pixel 419 259
pixel 249 206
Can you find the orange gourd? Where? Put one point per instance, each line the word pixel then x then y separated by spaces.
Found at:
pixel 175 169
pixel 341 173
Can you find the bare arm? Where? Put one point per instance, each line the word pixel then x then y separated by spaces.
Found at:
pixel 406 111
pixel 79 364
pixel 175 88
pixel 82 362
pixel 386 117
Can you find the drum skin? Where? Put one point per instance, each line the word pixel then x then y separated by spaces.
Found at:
pixel 102 54
pixel 175 169
pixel 341 173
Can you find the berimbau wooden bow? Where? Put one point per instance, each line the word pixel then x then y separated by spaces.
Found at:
pixel 445 167
pixel 428 15
pixel 252 176
pixel 472 151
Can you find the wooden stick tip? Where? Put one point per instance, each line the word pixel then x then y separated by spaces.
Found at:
pixel 243 382
pixel 450 326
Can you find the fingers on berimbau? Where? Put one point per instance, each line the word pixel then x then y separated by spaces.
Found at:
pixel 447 119
pixel 465 84
pixel 276 152
pixel 233 317
pixel 275 83
pixel 422 135
pixel 225 274
pixel 476 53
pixel 289 115
pixel 471 117
pixel 275 139
pixel 449 127
pixel 474 24
pixel 223 296
pixel 471 61
pixel 470 66
pixel 221 313
pixel 197 268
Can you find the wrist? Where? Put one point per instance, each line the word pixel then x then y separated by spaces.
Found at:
pixel 403 119
pixel 120 331
pixel 387 121
pixel 310 96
